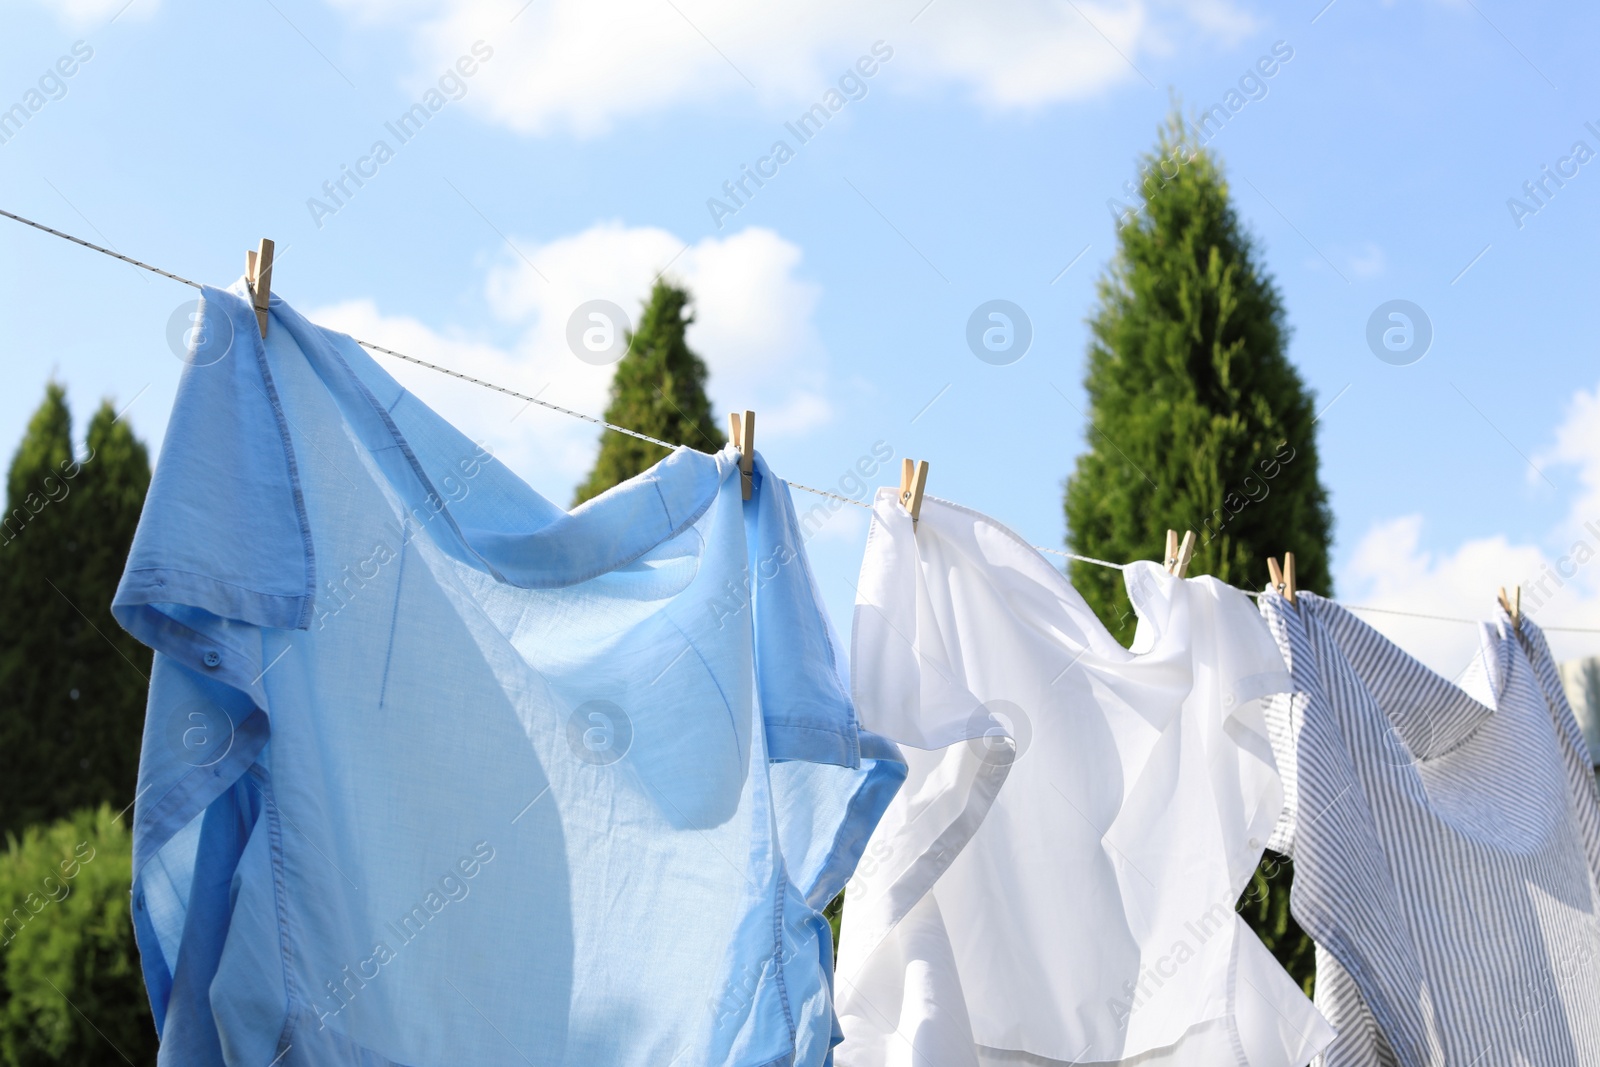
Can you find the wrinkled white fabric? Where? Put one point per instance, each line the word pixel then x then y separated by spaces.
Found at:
pixel 1055 883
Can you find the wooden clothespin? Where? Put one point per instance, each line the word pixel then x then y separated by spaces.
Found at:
pixel 913 480
pixel 1513 606
pixel 742 432
pixel 1178 556
pixel 258 276
pixel 1283 578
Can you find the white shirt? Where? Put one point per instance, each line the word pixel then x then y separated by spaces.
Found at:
pixel 1056 881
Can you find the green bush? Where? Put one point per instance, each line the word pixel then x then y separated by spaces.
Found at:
pixel 70 986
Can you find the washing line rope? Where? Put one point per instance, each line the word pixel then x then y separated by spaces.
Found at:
pixel 409 359
pixel 646 437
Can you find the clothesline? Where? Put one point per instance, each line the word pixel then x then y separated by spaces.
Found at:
pixel 655 440
pixel 422 362
pixel 479 381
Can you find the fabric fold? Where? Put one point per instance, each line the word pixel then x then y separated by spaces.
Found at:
pixel 1055 882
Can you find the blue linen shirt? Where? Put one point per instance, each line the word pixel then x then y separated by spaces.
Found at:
pixel 437 772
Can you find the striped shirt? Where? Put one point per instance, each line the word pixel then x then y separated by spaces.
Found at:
pixel 1446 844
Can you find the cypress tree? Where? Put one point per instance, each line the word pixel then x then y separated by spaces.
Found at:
pixel 1197 422
pixel 74 682
pixel 659 389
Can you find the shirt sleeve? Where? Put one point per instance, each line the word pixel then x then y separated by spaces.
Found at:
pixel 221 559
pixel 223 538
pixel 804 703
pixel 831 780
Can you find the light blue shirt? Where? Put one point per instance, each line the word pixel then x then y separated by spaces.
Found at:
pixel 436 772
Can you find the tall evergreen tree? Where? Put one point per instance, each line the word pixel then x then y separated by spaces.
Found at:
pixel 1197 421
pixel 659 389
pixel 73 681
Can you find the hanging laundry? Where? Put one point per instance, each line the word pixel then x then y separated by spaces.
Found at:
pixel 1055 884
pixel 435 772
pixel 1446 842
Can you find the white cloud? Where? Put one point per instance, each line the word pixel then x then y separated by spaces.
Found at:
pixel 1560 576
pixel 1391 570
pixel 567 64
pixel 1577 444
pixel 753 326
pixel 80 13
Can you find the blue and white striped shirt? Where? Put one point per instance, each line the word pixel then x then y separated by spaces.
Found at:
pixel 1445 840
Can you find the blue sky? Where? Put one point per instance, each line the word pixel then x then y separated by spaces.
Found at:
pixel 1377 163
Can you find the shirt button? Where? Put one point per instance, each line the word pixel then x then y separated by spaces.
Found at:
pixel 1255 842
pixel 212 657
